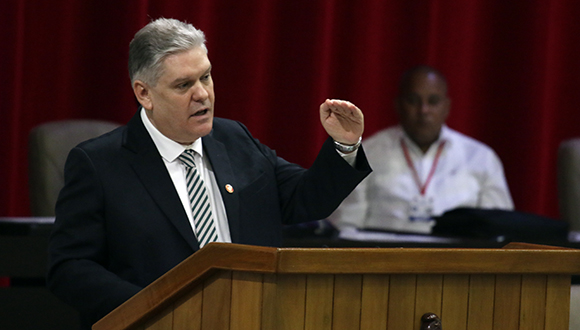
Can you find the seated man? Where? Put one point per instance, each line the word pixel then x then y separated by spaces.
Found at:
pixel 422 168
pixel 139 200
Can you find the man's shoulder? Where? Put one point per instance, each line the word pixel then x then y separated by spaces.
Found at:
pixel 223 121
pixel 106 149
pixel 224 128
pixel 230 133
pixel 469 146
pixel 463 139
pixel 111 139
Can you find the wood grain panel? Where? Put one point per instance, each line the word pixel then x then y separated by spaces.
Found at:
pixel 347 302
pixel 187 311
pixel 427 297
pixel 558 302
pixel 401 302
pixel 533 302
pixel 216 301
pixel 319 302
pixel 269 302
pixel 162 321
pixel 290 302
pixel 246 310
pixel 454 302
pixel 375 302
pixel 507 302
pixel 481 299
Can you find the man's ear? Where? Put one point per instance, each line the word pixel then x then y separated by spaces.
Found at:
pixel 143 95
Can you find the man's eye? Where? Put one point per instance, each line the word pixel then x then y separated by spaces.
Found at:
pixel 183 85
pixel 206 77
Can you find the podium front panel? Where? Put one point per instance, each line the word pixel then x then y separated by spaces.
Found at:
pixel 232 300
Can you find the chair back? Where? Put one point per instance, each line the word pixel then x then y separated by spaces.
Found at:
pixel 48 148
pixel 569 182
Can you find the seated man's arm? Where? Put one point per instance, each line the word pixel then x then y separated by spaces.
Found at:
pixel 494 191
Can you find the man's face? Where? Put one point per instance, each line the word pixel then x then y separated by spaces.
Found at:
pixel 181 105
pixel 423 108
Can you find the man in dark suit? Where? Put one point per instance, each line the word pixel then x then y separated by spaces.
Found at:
pixel 125 215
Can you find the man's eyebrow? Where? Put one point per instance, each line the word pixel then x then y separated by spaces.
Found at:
pixel 187 78
pixel 180 80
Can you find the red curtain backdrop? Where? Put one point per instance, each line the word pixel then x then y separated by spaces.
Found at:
pixel 512 66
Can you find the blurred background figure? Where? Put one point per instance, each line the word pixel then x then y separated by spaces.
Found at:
pixel 422 168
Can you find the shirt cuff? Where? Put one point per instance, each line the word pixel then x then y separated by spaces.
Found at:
pixel 350 157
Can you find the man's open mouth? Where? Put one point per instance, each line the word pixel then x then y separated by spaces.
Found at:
pixel 201 112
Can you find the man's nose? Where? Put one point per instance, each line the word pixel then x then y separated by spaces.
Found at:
pixel 200 92
pixel 425 107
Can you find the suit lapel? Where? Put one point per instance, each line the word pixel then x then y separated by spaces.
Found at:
pixel 222 168
pixel 149 166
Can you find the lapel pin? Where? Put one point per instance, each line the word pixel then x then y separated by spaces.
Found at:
pixel 229 188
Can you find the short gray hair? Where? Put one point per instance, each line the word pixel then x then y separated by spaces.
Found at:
pixel 157 40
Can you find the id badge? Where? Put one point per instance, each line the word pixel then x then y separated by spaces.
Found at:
pixel 421 208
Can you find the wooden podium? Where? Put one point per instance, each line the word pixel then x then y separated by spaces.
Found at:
pixel 230 286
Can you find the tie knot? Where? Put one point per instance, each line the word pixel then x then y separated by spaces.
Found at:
pixel 186 158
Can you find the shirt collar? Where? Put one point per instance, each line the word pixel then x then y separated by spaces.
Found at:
pixel 168 148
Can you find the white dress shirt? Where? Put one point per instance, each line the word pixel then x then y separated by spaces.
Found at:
pixel 468 174
pixel 170 151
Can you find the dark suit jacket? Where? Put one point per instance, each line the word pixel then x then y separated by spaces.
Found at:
pixel 120 224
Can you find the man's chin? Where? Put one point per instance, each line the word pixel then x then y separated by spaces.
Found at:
pixel 206 128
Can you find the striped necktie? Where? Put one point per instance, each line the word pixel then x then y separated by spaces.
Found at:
pixel 205 229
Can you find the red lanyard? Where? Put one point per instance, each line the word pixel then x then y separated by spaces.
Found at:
pixel 422 187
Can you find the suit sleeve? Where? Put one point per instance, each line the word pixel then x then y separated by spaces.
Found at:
pixel 303 194
pixel 315 193
pixel 353 210
pixel 78 250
